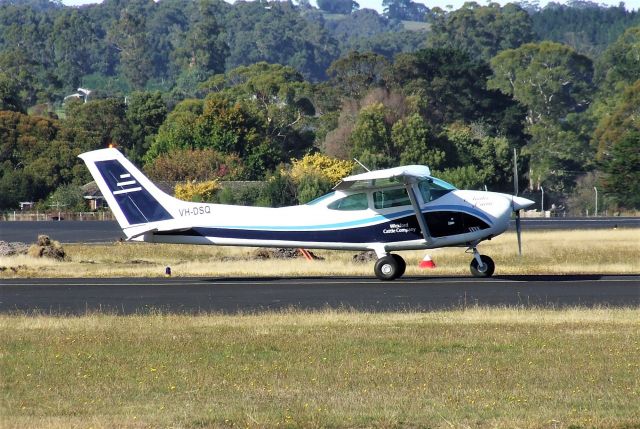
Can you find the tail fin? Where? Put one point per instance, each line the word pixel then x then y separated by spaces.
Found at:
pixel 132 197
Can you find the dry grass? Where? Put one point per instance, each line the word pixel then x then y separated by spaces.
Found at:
pixel 545 252
pixel 474 368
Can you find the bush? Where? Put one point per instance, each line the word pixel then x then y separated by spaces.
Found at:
pixel 196 191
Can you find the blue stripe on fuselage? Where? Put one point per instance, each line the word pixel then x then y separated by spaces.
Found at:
pixel 405 228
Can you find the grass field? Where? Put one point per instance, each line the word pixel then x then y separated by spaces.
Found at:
pixel 496 368
pixel 544 252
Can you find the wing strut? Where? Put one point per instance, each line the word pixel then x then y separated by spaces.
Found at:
pixel 416 208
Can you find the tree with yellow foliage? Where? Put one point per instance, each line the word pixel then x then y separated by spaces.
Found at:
pixel 332 169
pixel 198 192
pixel 315 174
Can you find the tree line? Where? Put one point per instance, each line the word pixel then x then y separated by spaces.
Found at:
pixel 204 90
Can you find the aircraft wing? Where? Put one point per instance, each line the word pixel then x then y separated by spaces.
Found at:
pixel 138 230
pixel 387 177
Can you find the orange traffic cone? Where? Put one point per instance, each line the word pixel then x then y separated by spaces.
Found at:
pixel 427 262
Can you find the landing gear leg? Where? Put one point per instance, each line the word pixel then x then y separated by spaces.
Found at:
pixel 390 267
pixel 481 265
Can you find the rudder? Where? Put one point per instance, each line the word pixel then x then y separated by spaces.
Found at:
pixel 132 197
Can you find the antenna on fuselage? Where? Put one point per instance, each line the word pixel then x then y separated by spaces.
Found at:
pixel 361 164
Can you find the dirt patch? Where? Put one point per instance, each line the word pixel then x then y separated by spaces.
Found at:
pixel 47 248
pixel 283 253
pixel 366 256
pixel 13 248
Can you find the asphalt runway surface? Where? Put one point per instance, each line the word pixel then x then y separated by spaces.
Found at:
pixel 109 231
pixel 231 296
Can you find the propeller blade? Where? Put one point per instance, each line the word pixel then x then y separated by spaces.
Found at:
pixel 518 232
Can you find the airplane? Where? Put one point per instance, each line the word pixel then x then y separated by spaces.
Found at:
pixel 390 210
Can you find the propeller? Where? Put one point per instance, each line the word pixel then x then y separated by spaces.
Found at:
pixel 517 204
pixel 519 232
pixel 520 202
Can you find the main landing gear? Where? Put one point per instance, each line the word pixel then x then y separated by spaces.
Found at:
pixel 481 265
pixel 390 267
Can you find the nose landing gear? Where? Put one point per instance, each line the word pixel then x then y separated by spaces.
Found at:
pixel 390 267
pixel 481 265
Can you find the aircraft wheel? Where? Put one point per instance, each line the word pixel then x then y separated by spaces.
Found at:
pixel 387 268
pixel 487 269
pixel 402 265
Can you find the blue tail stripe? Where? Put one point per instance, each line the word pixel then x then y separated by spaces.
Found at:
pixel 137 204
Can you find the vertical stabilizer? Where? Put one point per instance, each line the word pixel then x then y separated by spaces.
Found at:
pixel 132 197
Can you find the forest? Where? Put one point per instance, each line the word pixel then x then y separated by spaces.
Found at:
pixel 285 94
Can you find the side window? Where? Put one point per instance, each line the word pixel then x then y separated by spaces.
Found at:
pixel 391 198
pixel 432 189
pixel 351 202
pixel 424 190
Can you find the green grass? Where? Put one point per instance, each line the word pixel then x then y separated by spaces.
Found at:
pixel 471 368
pixel 544 252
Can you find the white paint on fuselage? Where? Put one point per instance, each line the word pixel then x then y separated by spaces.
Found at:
pixel 495 207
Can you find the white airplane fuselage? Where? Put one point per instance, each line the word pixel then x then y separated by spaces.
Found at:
pixel 318 227
pixel 402 208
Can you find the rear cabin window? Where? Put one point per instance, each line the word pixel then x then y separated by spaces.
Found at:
pixel 391 198
pixel 351 202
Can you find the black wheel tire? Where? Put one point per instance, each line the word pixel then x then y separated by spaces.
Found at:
pixel 386 268
pixel 402 265
pixel 487 270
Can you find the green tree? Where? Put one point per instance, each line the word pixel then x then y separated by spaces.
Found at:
pixel 130 37
pixel 363 23
pixel 551 79
pixel 489 156
pixel 9 94
pixel 278 97
pixel 371 138
pixel 337 6
pixel 481 31
pixel 279 35
pixel 35 158
pixel 622 168
pixel 623 118
pixel 195 164
pixel 145 113
pixel 404 10
pixel 204 47
pixel 177 131
pixel 463 177
pixel 450 86
pixel 619 66
pixel 356 73
pixel 97 124
pixel 588 27
pixel 67 197
pixel 414 141
pixel 72 41
pixel 389 43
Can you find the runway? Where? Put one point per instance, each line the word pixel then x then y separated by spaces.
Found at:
pixel 109 231
pixel 204 295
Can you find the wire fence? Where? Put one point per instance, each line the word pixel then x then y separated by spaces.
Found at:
pixel 34 215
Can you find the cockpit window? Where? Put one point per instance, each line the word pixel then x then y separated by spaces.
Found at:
pixel 391 198
pixel 433 188
pixel 351 202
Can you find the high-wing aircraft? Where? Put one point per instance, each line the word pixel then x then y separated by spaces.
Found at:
pixel 402 208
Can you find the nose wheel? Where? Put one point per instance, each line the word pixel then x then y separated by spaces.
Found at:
pixel 390 267
pixel 482 265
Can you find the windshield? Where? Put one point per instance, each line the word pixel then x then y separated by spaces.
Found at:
pixel 434 188
pixel 317 200
pixel 351 202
